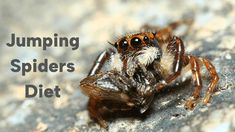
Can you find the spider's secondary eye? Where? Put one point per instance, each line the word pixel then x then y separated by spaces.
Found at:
pixel 136 42
pixel 123 44
pixel 116 45
pixel 146 38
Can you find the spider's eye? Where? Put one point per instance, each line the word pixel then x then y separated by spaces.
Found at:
pixel 146 38
pixel 123 44
pixel 116 45
pixel 136 42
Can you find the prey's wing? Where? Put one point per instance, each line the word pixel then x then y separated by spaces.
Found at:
pixel 106 86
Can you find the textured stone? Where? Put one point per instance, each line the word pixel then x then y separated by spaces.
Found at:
pixel 97 22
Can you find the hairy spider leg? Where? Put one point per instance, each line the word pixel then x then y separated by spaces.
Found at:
pixel 176 48
pixel 195 67
pixel 94 111
pixel 100 60
pixel 196 75
pixel 214 79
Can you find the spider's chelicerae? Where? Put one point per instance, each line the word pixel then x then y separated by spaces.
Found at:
pixel 127 76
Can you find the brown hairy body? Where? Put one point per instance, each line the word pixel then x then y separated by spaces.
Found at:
pixel 140 65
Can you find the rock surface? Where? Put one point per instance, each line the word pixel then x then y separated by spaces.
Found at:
pixel 96 22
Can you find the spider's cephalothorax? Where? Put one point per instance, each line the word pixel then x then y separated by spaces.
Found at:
pixel 142 48
pixel 127 77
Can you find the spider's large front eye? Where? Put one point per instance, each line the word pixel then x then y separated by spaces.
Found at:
pixel 136 42
pixel 123 44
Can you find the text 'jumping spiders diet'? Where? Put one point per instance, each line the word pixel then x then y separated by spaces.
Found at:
pixel 127 76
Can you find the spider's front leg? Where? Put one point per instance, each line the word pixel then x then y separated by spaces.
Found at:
pixel 94 104
pixel 100 61
pixel 174 49
pixel 94 107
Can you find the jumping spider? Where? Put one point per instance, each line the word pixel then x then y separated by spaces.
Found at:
pixel 128 76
